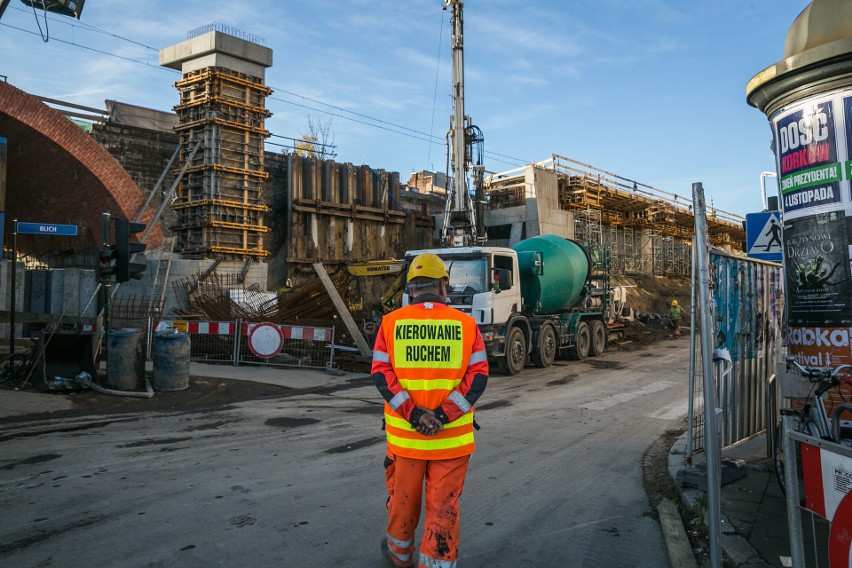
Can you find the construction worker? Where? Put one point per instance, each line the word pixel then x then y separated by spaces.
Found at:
pixel 430 366
pixel 675 315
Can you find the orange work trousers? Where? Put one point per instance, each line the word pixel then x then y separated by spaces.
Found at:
pixel 444 481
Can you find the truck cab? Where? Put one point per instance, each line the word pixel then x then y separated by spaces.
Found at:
pixel 485 284
pixel 484 281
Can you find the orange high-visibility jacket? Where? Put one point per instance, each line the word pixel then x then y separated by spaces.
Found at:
pixel 431 355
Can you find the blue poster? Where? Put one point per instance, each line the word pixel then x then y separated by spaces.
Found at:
pixel 806 143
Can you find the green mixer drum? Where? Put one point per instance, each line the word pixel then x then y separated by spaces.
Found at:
pixel 564 269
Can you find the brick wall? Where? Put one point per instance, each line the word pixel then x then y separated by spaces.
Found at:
pixel 59 174
pixel 144 154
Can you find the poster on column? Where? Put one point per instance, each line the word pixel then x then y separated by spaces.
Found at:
pixel 847 115
pixel 806 149
pixel 816 263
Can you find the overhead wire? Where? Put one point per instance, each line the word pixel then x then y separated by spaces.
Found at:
pixel 331 109
pixel 84 25
pixel 435 95
pixel 95 50
pixel 299 140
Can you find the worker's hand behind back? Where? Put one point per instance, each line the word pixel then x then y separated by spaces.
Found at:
pixel 429 425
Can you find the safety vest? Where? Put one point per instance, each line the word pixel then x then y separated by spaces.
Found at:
pixel 429 349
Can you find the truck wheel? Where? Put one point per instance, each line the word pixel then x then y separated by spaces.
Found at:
pixel 599 337
pixel 515 358
pixel 580 349
pixel 545 353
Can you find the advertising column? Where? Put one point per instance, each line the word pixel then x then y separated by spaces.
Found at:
pixel 807 97
pixel 812 140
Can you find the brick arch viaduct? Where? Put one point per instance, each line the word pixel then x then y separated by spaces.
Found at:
pixel 56 173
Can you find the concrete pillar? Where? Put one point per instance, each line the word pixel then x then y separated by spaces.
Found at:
pixel 222 112
pixel 551 219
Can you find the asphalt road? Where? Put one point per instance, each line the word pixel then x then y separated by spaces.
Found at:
pixel 298 481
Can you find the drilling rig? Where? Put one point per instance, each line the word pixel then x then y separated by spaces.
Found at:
pixel 463 219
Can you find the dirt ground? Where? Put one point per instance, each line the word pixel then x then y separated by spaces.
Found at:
pixel 654 294
pixel 216 393
pixel 203 393
pixel 646 295
pixel 650 295
pixel 210 393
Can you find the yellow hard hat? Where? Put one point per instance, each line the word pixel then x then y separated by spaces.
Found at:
pixel 674 302
pixel 427 265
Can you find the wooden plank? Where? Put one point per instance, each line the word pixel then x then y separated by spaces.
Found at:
pixel 360 342
pixel 677 543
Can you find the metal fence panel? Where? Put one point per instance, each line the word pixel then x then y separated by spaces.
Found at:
pixel 747 303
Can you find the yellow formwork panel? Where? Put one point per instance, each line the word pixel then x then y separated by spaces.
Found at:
pixel 224 203
pixel 240 226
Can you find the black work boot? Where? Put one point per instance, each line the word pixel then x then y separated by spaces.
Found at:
pixel 386 553
pixel 389 559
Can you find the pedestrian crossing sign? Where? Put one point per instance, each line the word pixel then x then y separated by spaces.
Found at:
pixel 763 236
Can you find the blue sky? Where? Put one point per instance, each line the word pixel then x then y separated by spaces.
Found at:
pixel 652 90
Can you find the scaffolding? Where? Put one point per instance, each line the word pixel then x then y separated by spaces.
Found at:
pixel 219 203
pixel 588 229
pixel 616 241
pixel 631 251
pixel 647 230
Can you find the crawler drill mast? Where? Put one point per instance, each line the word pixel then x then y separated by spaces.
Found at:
pixel 462 212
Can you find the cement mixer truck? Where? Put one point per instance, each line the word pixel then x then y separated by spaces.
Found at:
pixel 545 298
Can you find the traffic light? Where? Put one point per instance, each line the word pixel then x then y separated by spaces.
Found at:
pixel 106 269
pixel 125 268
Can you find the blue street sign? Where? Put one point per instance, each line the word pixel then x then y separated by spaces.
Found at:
pixel 763 236
pixel 47 229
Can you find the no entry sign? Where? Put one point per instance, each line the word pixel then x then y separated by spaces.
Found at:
pixel 265 340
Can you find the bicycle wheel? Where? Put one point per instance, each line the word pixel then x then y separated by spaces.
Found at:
pixel 798 426
pixel 13 369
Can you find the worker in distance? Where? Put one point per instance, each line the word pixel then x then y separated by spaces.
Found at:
pixel 430 366
pixel 675 315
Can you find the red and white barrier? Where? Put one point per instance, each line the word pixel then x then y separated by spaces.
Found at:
pixel 303 333
pixel 198 327
pixel 828 480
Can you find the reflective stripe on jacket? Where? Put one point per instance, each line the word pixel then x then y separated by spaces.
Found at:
pixel 429 354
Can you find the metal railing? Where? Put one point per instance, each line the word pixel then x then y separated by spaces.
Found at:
pixel 225 29
pixel 771 408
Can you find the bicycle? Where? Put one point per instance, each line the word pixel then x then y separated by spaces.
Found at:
pixel 811 418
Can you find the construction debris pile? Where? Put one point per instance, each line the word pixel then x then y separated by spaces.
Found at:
pixel 224 297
